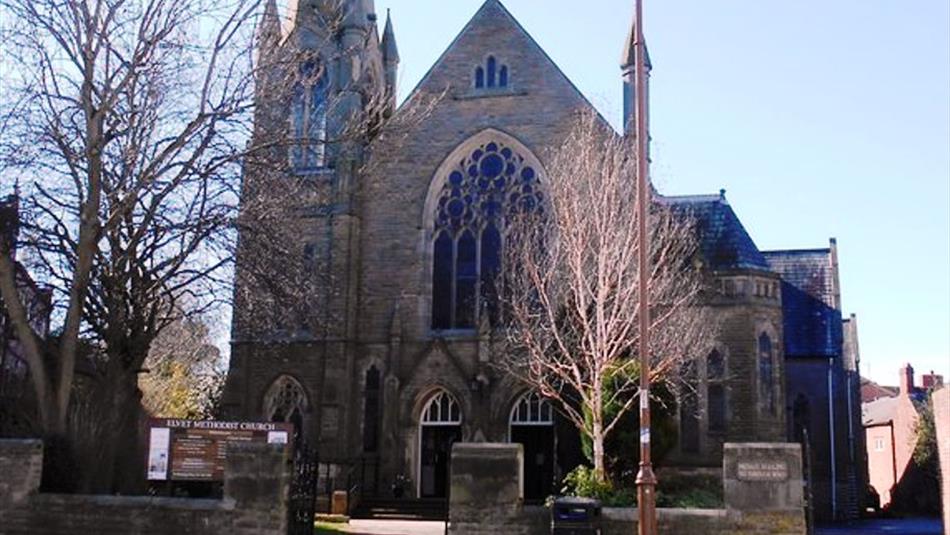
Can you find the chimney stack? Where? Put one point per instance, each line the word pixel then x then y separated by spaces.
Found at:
pixel 931 380
pixel 907 379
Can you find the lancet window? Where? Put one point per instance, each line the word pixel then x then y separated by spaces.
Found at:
pixel 309 119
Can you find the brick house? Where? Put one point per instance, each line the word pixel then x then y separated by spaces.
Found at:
pixel 890 425
pixel 405 367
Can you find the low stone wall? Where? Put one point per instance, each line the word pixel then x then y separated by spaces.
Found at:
pixel 486 496
pixel 257 478
pixel 941 405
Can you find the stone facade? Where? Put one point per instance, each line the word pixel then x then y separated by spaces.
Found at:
pixel 763 492
pixel 257 478
pixel 362 388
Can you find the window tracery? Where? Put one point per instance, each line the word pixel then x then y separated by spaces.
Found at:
pixel 309 118
pixel 285 401
pixel 442 409
pixel 488 185
pixel 532 409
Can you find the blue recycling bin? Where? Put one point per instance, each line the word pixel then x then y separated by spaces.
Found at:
pixel 575 516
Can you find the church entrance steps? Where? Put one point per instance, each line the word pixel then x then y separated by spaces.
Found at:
pixel 402 509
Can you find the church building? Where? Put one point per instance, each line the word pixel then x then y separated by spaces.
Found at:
pixel 405 238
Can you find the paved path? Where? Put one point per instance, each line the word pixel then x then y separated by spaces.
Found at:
pixel 909 526
pixel 395 527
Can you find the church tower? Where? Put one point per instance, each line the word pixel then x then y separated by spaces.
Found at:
pixel 324 78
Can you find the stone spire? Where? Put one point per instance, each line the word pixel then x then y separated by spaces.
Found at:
pixel 390 62
pixel 268 31
pixel 388 46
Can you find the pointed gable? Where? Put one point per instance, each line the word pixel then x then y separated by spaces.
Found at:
pixel 493 31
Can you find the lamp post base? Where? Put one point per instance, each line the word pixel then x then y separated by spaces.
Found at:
pixel 646 500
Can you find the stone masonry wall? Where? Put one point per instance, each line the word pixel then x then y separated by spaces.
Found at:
pixel 487 482
pixel 255 500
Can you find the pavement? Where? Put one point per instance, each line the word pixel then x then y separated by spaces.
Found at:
pixel 908 526
pixel 903 526
pixel 394 527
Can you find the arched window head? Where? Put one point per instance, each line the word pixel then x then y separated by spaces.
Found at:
pixel 532 409
pixel 286 401
pixel 492 65
pixel 309 118
pixel 486 187
pixel 442 409
pixel 479 77
pixel 766 373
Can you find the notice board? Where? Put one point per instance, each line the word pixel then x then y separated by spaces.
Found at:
pixel 196 450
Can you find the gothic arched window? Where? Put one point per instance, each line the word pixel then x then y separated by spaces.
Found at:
pixel 309 117
pixel 766 375
pixel 716 391
pixel 286 401
pixel 486 185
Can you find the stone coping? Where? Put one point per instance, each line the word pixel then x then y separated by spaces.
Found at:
pixel 159 502
pixel 630 513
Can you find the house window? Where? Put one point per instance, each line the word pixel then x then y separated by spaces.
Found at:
pixel 309 118
pixel 878 444
pixel 489 184
pixel 492 74
pixel 766 375
pixel 716 391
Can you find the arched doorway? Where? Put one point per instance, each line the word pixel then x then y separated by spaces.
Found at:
pixel 532 425
pixel 439 427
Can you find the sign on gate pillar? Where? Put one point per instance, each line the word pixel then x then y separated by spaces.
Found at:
pixel 762 476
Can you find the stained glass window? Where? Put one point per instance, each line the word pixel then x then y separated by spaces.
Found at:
pixel 309 116
pixel 487 185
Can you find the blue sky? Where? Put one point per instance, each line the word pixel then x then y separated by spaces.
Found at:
pixel 820 119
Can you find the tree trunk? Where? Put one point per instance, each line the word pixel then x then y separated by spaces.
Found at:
pixel 597 438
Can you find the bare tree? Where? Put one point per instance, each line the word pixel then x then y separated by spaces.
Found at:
pixel 127 124
pixel 184 374
pixel 570 290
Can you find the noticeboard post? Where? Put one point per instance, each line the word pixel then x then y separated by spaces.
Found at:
pixel 196 450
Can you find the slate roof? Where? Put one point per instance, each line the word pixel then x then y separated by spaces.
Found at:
pixel 812 322
pixel 871 391
pixel 724 242
pixel 878 412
